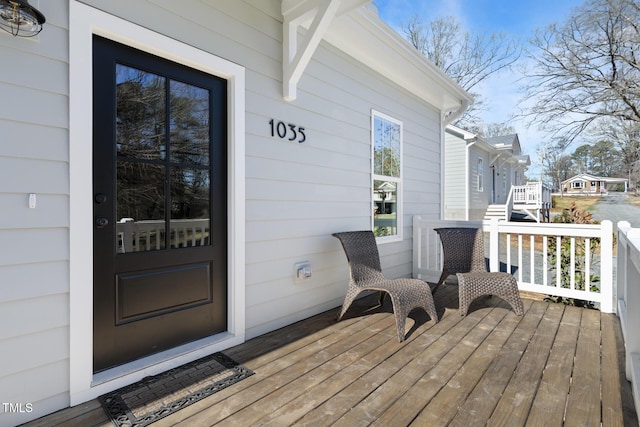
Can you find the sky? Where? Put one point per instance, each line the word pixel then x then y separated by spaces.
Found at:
pixel 517 18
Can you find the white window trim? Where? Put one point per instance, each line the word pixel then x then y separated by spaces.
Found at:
pixel 480 174
pixel 399 180
pixel 84 22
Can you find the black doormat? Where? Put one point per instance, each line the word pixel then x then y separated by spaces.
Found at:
pixel 155 397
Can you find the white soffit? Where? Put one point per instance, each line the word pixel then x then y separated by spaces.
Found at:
pixel 358 32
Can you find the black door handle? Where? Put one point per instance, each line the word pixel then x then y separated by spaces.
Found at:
pixel 101 222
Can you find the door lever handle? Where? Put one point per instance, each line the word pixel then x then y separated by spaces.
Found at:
pixel 101 222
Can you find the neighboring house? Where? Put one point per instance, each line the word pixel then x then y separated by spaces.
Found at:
pixel 163 169
pixel 479 172
pixel 585 184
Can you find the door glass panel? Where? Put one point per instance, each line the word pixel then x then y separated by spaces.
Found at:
pixel 189 112
pixel 147 221
pixel 140 118
pixel 190 207
pixel 140 207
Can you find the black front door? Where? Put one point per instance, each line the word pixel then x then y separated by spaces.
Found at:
pixel 160 204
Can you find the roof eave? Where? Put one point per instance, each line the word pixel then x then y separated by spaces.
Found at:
pixel 366 38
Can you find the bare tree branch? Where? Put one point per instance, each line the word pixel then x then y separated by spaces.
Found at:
pixel 468 59
pixel 586 70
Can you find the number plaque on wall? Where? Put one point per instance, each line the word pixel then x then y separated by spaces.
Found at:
pixel 287 131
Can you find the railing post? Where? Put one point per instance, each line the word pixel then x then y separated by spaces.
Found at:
pixel 494 237
pixel 631 319
pixel 607 305
pixel 622 255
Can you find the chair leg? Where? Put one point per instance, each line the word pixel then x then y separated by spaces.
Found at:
pixel 381 297
pixel 400 322
pixel 441 280
pixel 474 285
pixel 352 293
pixel 404 303
pixel 516 304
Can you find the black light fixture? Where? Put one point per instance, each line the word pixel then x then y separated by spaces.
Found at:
pixel 19 18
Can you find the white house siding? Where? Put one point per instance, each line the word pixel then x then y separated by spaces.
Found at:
pixel 34 244
pixel 479 200
pixel 455 190
pixel 296 194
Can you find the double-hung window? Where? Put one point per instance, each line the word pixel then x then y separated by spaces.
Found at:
pixel 386 143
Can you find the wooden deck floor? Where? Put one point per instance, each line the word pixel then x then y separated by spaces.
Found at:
pixel 555 365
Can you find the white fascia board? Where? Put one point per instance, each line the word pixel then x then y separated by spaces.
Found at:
pixel 466 135
pixel 297 9
pixel 366 38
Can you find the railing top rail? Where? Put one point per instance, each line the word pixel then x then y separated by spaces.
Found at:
pixel 575 230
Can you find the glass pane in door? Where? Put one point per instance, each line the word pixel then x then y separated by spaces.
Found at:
pixel 189 112
pixel 140 113
pixel 140 207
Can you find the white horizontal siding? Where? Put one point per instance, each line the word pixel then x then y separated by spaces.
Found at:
pixel 34 254
pixel 30 281
pixel 455 170
pixel 45 386
pixel 52 210
pixel 29 246
pixel 33 141
pixel 17 356
pixel 331 176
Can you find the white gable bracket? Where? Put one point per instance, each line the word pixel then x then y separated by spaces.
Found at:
pixel 497 158
pixel 295 13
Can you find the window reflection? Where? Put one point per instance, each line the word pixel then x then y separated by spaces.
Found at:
pixel 140 113
pixel 163 188
pixel 140 207
pixel 189 111
pixel 386 148
pixel 189 207
pixel 386 141
pixel 385 215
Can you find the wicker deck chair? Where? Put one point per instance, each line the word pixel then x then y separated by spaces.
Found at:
pixel 463 250
pixel 366 274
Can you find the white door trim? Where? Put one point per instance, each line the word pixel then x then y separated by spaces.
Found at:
pixel 84 22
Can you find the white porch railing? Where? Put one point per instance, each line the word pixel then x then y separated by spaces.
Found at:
pixel 545 258
pixel 623 295
pixel 628 295
pixel 139 236
pixel 533 196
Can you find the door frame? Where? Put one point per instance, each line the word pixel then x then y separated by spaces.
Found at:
pixel 84 22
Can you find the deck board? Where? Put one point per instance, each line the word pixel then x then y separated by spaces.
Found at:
pixel 549 404
pixel 583 404
pixel 429 370
pixel 480 404
pixel 517 398
pixel 443 407
pixel 488 368
pixel 611 398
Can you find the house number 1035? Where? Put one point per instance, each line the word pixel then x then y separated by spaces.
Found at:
pixel 287 130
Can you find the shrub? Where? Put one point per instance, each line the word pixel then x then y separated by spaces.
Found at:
pixel 573 215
